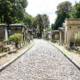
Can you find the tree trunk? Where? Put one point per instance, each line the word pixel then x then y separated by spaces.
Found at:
pixel 4 18
pixel 1 18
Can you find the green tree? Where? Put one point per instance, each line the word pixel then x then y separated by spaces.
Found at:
pixel 75 11
pixel 64 6
pixel 21 5
pixel 46 21
pixel 52 26
pixel 40 25
pixel 42 22
pixel 28 20
pixel 60 19
pixel 5 8
pixel 12 11
pixel 34 25
pixel 48 29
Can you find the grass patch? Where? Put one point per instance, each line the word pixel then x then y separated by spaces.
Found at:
pixel 0 50
pixel 7 51
pixel 39 38
pixel 64 54
pixel 58 50
pixel 69 49
pixel 79 51
pixel 32 40
pixel 27 44
pixel 17 51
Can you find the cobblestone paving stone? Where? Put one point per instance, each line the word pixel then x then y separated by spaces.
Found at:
pixel 42 62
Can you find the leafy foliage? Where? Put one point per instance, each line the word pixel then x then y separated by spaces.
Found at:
pixel 60 19
pixel 42 22
pixel 39 23
pixel 46 21
pixel 49 29
pixel 64 6
pixel 76 11
pixel 52 26
pixel 28 20
pixel 77 36
pixel 12 11
pixel 77 39
pixel 34 25
pixel 17 38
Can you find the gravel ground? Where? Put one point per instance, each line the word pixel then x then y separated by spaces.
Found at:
pixel 42 62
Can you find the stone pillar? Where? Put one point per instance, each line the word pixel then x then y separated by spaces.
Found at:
pixel 9 33
pixel 23 33
pixel 65 38
pixel 6 34
pixel 26 35
pixel 60 36
pixel 51 36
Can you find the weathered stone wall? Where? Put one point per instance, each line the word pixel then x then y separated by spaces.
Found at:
pixel 45 35
pixel 73 21
pixel 72 26
pixel 2 32
pixel 71 31
pixel 16 30
pixel 1 44
pixel 50 36
pixel 56 36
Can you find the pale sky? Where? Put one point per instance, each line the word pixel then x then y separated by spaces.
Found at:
pixel 45 7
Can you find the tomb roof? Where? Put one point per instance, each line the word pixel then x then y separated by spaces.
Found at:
pixel 3 24
pixel 17 25
pixel 72 19
pixel 55 31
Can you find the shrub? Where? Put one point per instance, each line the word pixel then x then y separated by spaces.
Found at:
pixel 79 50
pixel 77 36
pixel 49 29
pixel 77 39
pixel 17 52
pixel 1 50
pixel 17 38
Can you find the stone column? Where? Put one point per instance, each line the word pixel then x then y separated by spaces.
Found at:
pixel 6 34
pixel 65 38
pixel 9 33
pixel 51 36
pixel 60 36
pixel 23 33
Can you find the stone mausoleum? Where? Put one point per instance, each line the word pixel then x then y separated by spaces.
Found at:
pixel 52 35
pixel 6 31
pixel 70 27
pixel 3 34
pixel 19 28
pixel 55 35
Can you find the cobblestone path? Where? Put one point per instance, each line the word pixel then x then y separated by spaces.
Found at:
pixel 42 62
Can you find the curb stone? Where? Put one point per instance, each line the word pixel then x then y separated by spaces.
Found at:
pixel 72 60
pixel 14 59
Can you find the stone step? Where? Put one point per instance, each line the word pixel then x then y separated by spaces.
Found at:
pixel 9 47
pixel 2 55
pixel 12 51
